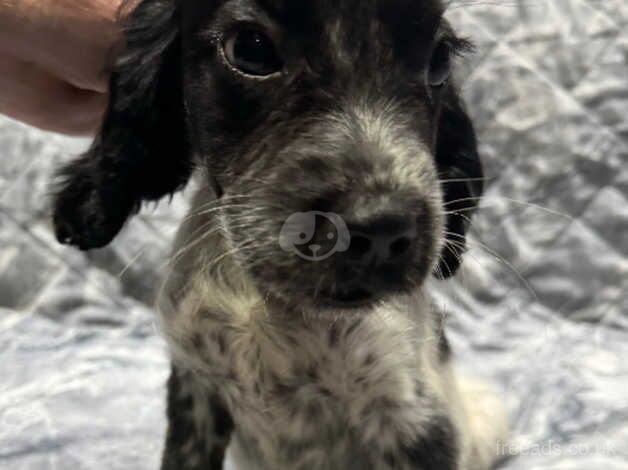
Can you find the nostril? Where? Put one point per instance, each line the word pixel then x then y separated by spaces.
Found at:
pixel 380 240
pixel 359 246
pixel 400 246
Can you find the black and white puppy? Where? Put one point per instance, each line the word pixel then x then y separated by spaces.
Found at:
pixel 338 169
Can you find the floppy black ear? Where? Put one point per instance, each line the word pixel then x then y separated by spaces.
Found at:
pixel 460 170
pixel 141 152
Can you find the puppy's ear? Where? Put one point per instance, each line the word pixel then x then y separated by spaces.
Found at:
pixel 461 171
pixel 141 152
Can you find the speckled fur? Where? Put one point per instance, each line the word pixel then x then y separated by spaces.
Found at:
pixel 306 390
pixel 350 124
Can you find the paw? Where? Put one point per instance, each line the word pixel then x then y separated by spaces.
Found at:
pixel 86 216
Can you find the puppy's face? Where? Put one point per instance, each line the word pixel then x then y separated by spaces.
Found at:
pixel 302 109
pixel 324 127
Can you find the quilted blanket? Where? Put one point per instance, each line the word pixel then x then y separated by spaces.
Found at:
pixel 540 307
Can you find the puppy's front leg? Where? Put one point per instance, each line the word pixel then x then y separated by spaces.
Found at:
pixel 199 426
pixel 438 451
pixel 435 448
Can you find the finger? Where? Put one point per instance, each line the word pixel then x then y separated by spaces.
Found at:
pixel 29 94
pixel 72 39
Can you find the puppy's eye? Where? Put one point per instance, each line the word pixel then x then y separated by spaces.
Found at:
pixel 252 52
pixel 440 67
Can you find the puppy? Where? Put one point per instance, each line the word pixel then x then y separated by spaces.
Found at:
pixel 338 170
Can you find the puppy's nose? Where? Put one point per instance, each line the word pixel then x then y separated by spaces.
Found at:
pixel 385 239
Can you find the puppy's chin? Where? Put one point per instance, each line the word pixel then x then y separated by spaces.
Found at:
pixel 320 308
pixel 352 301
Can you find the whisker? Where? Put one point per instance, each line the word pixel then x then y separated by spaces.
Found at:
pixel 134 259
pixel 442 260
pixel 459 214
pixel 218 208
pixel 514 201
pixel 221 200
pixel 467 180
pixel 193 240
pixel 500 258
pixel 455 4
pixel 232 252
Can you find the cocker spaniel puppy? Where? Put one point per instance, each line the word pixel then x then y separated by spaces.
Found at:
pixel 338 170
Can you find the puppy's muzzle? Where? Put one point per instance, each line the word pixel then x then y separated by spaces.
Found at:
pixel 373 244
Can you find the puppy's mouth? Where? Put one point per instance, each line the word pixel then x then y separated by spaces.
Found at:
pixel 358 294
pixel 350 298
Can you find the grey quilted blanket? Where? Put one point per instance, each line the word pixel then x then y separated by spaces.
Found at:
pixel 540 308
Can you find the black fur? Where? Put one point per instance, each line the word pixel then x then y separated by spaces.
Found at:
pixel 144 149
pixel 175 105
pixel 190 444
pixel 141 152
pixel 439 451
pixel 460 168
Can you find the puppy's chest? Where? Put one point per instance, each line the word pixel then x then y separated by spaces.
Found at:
pixel 325 388
pixel 300 380
pixel 275 367
pixel 305 391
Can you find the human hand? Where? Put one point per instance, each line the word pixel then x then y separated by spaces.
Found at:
pixel 53 56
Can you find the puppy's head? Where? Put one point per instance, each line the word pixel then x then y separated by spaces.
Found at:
pixel 328 129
